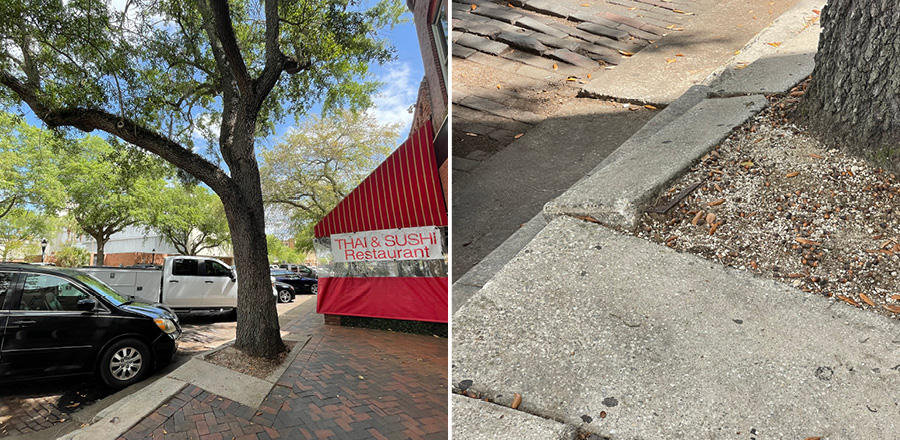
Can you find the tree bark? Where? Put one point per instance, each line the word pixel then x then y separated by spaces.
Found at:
pixel 258 332
pixel 98 260
pixel 853 102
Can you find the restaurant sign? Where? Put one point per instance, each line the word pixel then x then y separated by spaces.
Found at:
pixel 418 243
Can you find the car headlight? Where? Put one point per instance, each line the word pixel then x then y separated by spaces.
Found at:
pixel 166 325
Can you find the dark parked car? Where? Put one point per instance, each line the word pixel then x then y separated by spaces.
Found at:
pixel 285 292
pixel 300 283
pixel 60 322
pixel 299 269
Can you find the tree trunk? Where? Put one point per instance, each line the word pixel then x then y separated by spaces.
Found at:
pixel 258 332
pixel 98 261
pixel 852 102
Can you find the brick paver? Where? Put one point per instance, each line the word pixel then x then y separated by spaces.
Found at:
pixel 346 383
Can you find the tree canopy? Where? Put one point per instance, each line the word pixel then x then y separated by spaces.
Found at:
pixel 109 188
pixel 190 217
pixel 28 167
pixel 319 163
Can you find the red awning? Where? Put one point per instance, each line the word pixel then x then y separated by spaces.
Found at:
pixel 404 191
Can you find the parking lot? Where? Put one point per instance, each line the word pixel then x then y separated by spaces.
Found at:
pixel 46 410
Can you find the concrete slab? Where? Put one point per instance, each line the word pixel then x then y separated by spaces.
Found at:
pixel 118 418
pixel 585 321
pixel 463 164
pixel 799 19
pixel 777 72
pixel 617 195
pixel 241 388
pixel 475 278
pixel 708 41
pixel 476 420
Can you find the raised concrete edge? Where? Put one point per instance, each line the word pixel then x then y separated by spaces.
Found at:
pixel 670 113
pixel 475 419
pixel 118 418
pixel 616 194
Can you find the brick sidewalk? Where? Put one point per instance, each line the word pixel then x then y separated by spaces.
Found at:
pixel 347 383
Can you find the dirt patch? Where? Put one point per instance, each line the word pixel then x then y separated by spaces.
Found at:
pixel 233 359
pixel 776 202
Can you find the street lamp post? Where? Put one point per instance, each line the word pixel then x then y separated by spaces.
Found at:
pixel 43 248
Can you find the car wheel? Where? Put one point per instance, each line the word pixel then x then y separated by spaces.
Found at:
pixel 284 296
pixel 125 362
pixel 314 289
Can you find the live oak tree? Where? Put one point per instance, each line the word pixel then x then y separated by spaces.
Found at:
pixel 169 76
pixel 853 100
pixel 318 164
pixel 108 187
pixel 189 217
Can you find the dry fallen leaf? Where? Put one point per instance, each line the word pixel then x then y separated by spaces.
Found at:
pixel 472 134
pixel 571 78
pixel 519 135
pixel 585 4
pixel 797 93
pixel 697 218
pixel 774 44
pixel 361 378
pixel 649 107
pixel 671 26
pixel 626 53
pixel 473 7
pixel 679 54
pixel 737 52
pixel 716 202
pixel 817 12
pixel 807 242
pixel 866 299
pixel 897 297
pixel 589 76
pixel 850 301
pixel 517 400
pixel 813 438
pixel 815 156
pixel 670 60
pixel 679 11
pixel 792 174
pixel 895 309
pixel 498 86
pixel 710 218
pixel 712 229
pixel 587 218
pixel 555 66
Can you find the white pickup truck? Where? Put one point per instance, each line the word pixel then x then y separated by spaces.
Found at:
pixel 184 283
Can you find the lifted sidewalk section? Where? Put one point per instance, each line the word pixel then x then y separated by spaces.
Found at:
pixel 630 340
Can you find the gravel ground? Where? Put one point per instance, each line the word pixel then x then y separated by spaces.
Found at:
pixel 233 359
pixel 776 202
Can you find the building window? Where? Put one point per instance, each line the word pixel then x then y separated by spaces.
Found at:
pixel 439 30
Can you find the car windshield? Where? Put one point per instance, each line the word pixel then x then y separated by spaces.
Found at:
pixel 100 287
pixel 282 272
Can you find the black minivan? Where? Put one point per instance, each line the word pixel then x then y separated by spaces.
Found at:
pixel 61 322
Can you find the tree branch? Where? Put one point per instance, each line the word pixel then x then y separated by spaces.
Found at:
pixel 89 120
pixel 225 31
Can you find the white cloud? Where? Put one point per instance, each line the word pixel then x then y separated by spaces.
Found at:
pixel 396 96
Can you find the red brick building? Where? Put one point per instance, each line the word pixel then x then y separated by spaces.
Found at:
pixel 430 17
